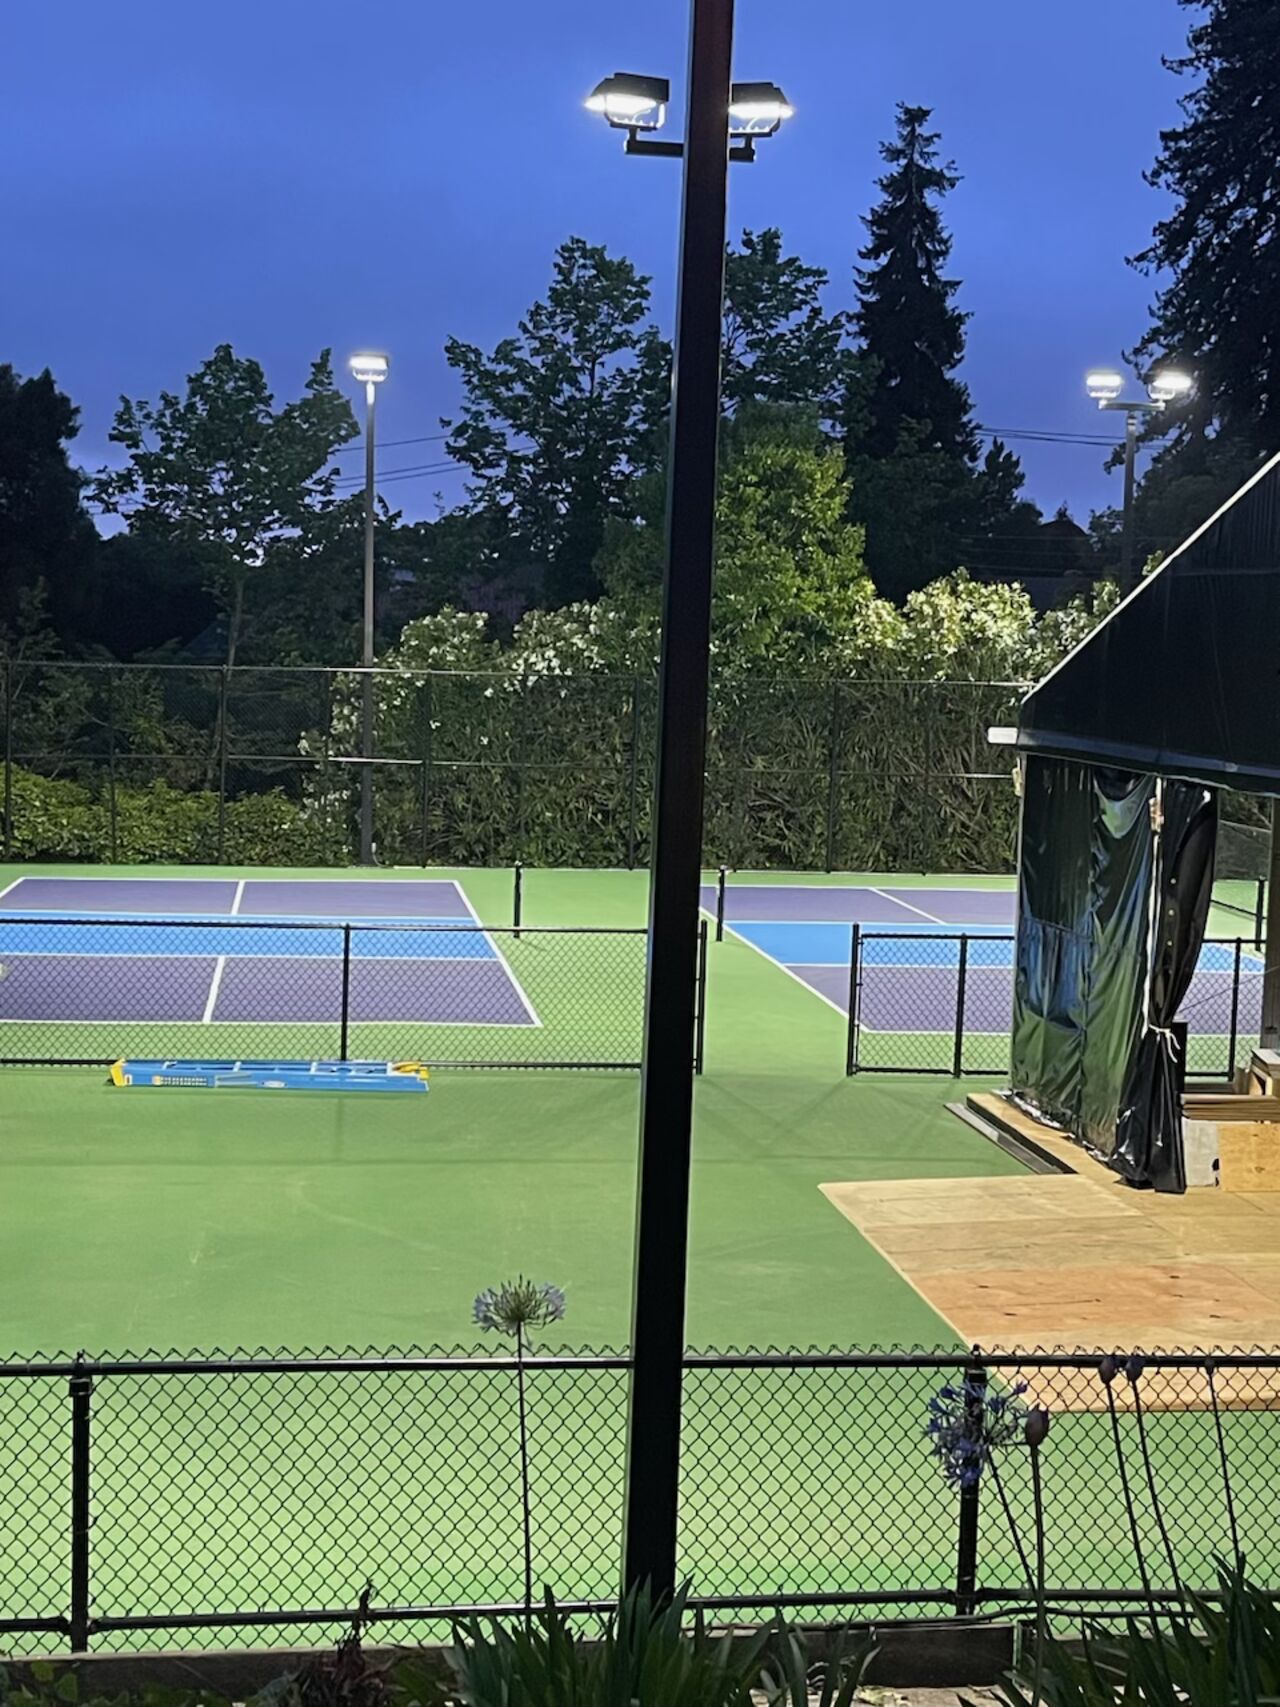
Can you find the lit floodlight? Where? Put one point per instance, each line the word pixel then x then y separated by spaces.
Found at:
pixel 369 367
pixel 1104 384
pixel 631 102
pixel 1002 735
pixel 1169 384
pixel 757 109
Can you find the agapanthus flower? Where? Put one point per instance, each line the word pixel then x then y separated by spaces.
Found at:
pixel 517 1306
pixel 967 1422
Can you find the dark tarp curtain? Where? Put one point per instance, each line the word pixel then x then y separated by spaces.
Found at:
pixel 1081 959
pixel 1148 1146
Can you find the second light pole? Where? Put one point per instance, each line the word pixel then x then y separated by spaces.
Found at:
pixel 370 369
pixel 1104 385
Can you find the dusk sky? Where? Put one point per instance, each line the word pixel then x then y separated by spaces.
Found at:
pixel 289 174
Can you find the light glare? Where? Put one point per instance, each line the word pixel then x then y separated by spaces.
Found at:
pixel 1104 383
pixel 1170 384
pixel 369 367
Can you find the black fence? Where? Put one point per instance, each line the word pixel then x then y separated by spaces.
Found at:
pixel 199 764
pixel 83 992
pixel 202 1500
pixel 942 1002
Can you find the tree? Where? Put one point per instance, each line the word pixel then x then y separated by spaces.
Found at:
pixel 46 538
pixel 780 346
pixel 555 422
pixel 223 473
pixel 906 319
pixel 1219 314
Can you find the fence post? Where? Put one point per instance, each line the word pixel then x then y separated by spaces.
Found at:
pixel 112 815
pixel 700 1031
pixel 962 973
pixel 8 758
pixel 855 991
pixel 633 806
pixel 346 992
pixel 80 1388
pixel 833 776
pixel 720 887
pixel 975 1405
pixel 1235 1012
pixel 428 700
pixel 517 899
pixel 521 765
pixel 1260 914
pixel 223 685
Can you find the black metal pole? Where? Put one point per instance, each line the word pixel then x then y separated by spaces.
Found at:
pixel 833 777
pixel 975 1404
pixel 1270 1037
pixel 666 1109
pixel 1260 913
pixel 8 759
pixel 224 686
pixel 855 985
pixel 1235 1010
pixel 1127 577
pixel 428 706
pixel 345 1022
pixel 700 1037
pixel 633 792
pixel 517 897
pixel 80 1387
pixel 721 881
pixel 962 974
pixel 112 812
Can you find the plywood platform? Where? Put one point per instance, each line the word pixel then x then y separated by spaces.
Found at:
pixel 1079 1261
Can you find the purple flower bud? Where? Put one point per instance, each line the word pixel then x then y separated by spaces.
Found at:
pixel 1036 1426
pixel 1133 1368
pixel 1108 1369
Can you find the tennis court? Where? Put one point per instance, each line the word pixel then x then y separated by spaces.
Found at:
pixel 932 962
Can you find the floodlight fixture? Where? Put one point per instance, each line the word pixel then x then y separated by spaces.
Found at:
pixel 369 367
pixel 1104 384
pixel 630 101
pixel 1170 384
pixel 757 109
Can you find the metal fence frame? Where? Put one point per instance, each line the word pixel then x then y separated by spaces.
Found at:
pixel 186 932
pixel 966 1593
pixel 958 1062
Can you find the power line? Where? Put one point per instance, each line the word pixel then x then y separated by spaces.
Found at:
pixel 414 471
pixel 389 444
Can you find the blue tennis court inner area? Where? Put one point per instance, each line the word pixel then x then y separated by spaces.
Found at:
pixel 259 949
pixel 907 980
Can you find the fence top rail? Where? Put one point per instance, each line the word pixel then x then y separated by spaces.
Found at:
pixel 285 921
pixel 464 1362
pixel 241 671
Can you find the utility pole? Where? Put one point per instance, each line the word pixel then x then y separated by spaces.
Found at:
pixel 372 369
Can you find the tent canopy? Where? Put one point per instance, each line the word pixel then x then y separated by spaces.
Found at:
pixel 1183 678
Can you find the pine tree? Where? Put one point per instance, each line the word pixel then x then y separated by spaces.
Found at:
pixel 1220 314
pixel 906 318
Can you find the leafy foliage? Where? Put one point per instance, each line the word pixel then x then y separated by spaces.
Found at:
pixel 45 536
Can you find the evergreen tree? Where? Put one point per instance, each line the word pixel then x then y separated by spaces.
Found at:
pixel 906 318
pixel 1220 313
pixel 46 538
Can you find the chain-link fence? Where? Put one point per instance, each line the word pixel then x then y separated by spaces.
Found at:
pixel 196 764
pixel 147 1500
pixel 942 1002
pixel 87 991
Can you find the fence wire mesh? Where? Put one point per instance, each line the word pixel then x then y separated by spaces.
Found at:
pixel 942 1002
pixel 194 763
pixel 252 1497
pixel 88 991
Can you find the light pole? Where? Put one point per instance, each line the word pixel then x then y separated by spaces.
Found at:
pixel 1105 386
pixel 724 121
pixel 369 368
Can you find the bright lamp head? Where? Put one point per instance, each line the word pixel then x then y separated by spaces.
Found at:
pixel 1104 384
pixel 1168 385
pixel 369 367
pixel 757 109
pixel 630 101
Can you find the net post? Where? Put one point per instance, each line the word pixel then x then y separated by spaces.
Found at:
pixel 855 986
pixel 80 1391
pixel 346 993
pixel 8 667
pixel 633 800
pixel 720 886
pixel 1260 914
pixel 112 811
pixel 962 973
pixel 833 776
pixel 517 898
pixel 975 1404
pixel 700 1024
pixel 1235 1011
pixel 427 704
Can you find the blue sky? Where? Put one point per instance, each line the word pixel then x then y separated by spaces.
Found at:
pixel 288 174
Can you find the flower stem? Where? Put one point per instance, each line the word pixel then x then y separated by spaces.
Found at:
pixel 1011 1520
pixel 1151 1487
pixel 1130 1512
pixel 1226 1471
pixel 524 1477
pixel 1037 1495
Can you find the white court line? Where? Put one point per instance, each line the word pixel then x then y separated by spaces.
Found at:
pixel 897 901
pixel 783 967
pixel 9 887
pixel 215 983
pixel 497 952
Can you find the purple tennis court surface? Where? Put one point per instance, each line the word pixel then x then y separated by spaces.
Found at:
pixel 60 963
pixel 910 969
